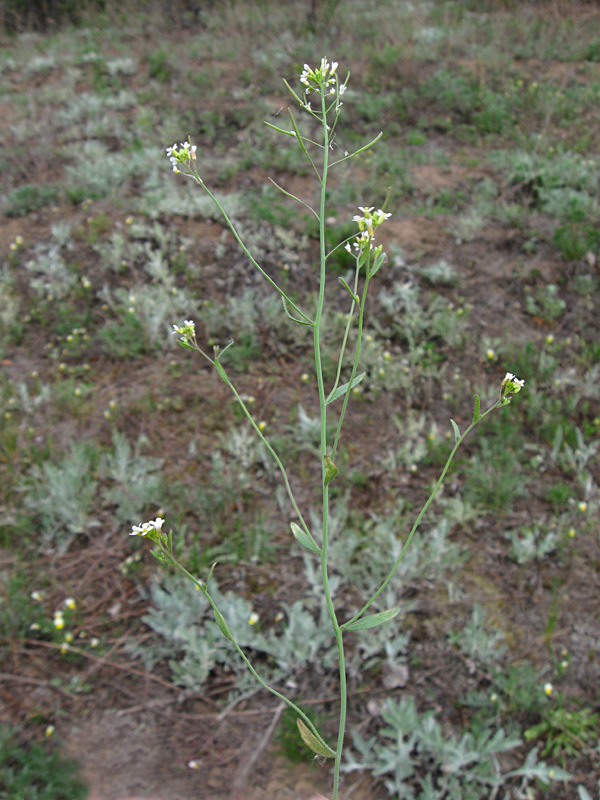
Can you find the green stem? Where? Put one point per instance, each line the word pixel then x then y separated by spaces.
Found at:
pixel 323 408
pixel 247 662
pixel 361 314
pixel 225 377
pixel 458 443
pixel 249 255
pixel 345 339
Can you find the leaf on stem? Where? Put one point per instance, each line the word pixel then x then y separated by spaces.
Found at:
pixel 376 266
pixel 279 130
pixel 305 539
pixel 456 430
pixel 371 621
pixel 311 741
pixel 330 470
pixel 355 297
pixel 341 390
pixel 294 319
pixel 293 196
pixel 476 409
pixel 360 150
pixel 220 620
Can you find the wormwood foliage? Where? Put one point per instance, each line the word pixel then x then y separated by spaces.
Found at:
pixel 412 748
pixel 305 637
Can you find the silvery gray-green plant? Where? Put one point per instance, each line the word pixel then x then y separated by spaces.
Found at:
pixel 322 87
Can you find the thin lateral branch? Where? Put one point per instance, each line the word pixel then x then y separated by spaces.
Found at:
pixel 293 196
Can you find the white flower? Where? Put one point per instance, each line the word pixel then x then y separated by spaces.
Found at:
pixel 144 528
pixel 548 689
pixel 324 75
pixel 185 331
pixel 181 154
pixel 306 73
pixel 512 384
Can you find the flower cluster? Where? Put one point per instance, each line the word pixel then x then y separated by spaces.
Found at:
pixel 144 528
pixel 325 75
pixel 367 223
pixel 510 385
pixel 186 331
pixel 184 154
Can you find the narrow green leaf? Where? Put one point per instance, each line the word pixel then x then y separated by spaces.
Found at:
pixel 220 620
pixel 212 569
pixel 360 150
pixel 220 370
pixel 181 343
pixel 305 539
pixel 293 196
pixel 279 130
pixel 310 740
pixel 294 319
pixel 330 470
pixel 299 138
pixel 476 411
pixel 355 297
pixel 371 621
pixel 376 266
pixel 341 390
pixel 456 430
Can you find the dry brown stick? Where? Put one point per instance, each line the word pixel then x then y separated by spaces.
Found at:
pixel 103 662
pixel 243 773
pixel 7 676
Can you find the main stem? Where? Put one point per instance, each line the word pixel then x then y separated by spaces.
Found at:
pixel 323 407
